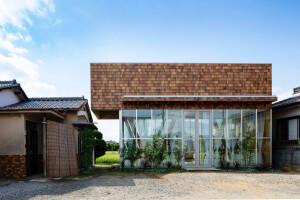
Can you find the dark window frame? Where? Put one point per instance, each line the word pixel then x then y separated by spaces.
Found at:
pixel 285 128
pixel 80 144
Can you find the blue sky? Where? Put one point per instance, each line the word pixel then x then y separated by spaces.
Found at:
pixel 48 45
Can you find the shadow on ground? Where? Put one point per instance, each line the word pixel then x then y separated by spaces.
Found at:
pixel 100 177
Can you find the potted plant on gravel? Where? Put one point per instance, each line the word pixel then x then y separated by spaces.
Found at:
pixel 247 146
pixel 155 151
pixel 130 152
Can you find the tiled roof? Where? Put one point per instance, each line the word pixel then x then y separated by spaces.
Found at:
pixel 286 102
pixel 49 103
pixel 8 84
pixel 14 85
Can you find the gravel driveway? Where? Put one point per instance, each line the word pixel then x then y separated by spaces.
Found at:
pixel 186 185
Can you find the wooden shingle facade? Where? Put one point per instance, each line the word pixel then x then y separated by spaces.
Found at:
pixel 116 86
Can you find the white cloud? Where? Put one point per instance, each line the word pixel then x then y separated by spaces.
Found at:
pixel 15 12
pixel 26 73
pixel 13 62
pixel 57 21
pixel 6 44
pixel 12 36
pixel 28 38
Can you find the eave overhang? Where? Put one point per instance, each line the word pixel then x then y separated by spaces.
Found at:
pixel 42 111
pixel 85 124
pixel 257 98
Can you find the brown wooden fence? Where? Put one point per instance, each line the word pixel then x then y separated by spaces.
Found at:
pixel 61 154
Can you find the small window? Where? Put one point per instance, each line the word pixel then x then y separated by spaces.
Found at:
pixel 80 142
pixel 293 129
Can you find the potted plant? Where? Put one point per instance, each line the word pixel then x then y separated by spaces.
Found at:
pixel 131 152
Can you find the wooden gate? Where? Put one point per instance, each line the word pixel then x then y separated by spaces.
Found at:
pixel 61 154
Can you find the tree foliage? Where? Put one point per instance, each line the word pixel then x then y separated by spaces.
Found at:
pixel 112 146
pixel 177 152
pixel 247 146
pixel 155 151
pixel 88 139
pixel 100 144
pixel 130 152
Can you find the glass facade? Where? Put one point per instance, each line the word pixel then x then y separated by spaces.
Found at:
pixel 206 138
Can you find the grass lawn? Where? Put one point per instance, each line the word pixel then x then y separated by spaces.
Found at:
pixel 110 157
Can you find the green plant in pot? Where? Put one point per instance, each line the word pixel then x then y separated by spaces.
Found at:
pixel 247 146
pixel 202 149
pixel 236 151
pixel 155 151
pixel 177 153
pixel 131 152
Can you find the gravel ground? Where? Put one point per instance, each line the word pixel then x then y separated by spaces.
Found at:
pixel 186 185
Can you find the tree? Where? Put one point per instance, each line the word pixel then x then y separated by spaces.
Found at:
pixel 112 146
pixel 100 144
pixel 88 143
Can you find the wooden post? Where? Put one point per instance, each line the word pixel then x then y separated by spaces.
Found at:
pixel 45 144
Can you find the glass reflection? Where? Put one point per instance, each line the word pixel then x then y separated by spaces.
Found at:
pixel 159 122
pixel 234 123
pixel 143 123
pixel 189 137
pixel 219 149
pixel 219 123
pixel 234 135
pixel 204 138
pixel 129 123
pixel 174 124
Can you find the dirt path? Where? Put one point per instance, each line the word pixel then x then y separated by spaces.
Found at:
pixel 187 185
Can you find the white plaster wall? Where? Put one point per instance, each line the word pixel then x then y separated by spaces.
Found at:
pixel 82 116
pixel 8 97
pixel 12 134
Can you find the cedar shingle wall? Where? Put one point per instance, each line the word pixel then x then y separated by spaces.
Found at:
pixel 110 82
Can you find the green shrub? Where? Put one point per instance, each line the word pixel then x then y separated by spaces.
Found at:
pixel 112 146
pixel 155 151
pixel 247 146
pixel 100 144
pixel 177 152
pixel 88 137
pixel 131 152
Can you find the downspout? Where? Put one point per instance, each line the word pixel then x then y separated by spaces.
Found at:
pixel 45 144
pixel 93 165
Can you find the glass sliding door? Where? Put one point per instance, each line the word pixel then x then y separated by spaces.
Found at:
pixel 197 139
pixel 204 138
pixel 190 138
